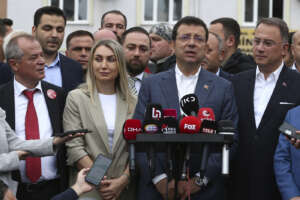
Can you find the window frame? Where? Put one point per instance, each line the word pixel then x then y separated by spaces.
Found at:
pixel 76 9
pixel 255 12
pixel 154 21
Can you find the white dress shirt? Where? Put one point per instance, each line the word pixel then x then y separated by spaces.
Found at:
pixel 109 107
pixel 48 163
pixel 293 67
pixel 185 85
pixel 263 91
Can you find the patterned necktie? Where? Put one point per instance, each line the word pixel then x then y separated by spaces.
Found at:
pixel 33 164
pixel 131 82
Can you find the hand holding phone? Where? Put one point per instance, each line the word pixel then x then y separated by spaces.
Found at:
pixel 98 170
pixel 289 130
pixel 73 132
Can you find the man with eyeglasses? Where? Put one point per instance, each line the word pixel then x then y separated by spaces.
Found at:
pixel 115 21
pixel 264 95
pixel 189 37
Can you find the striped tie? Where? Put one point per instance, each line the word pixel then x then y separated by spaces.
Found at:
pixel 131 83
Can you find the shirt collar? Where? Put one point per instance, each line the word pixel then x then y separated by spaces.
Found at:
pixel 218 72
pixel 19 88
pixel 55 63
pixel 140 76
pixel 180 74
pixel 274 75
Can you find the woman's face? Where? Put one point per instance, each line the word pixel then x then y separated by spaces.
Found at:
pixel 105 64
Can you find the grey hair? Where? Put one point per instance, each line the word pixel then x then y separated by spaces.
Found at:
pixel 12 50
pixel 220 41
pixel 279 23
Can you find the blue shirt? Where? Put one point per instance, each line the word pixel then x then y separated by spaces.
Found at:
pixel 53 72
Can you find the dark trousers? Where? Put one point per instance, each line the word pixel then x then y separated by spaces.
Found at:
pixel 44 190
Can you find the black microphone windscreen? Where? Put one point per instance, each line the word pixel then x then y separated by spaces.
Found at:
pixel 169 125
pixel 152 126
pixel 189 104
pixel 153 111
pixel 226 126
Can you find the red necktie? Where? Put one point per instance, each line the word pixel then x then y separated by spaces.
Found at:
pixel 33 164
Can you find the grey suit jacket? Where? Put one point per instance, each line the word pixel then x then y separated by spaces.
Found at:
pixel 83 112
pixel 213 92
pixel 10 144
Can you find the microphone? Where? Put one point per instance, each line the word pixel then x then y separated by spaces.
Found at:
pixel 225 127
pixel 152 125
pixel 153 111
pixel 131 128
pixel 170 113
pixel 188 125
pixel 169 126
pixel 208 126
pixel 189 104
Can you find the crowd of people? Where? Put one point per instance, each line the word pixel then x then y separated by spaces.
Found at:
pixel 113 74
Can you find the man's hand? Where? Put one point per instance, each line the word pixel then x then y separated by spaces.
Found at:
pixel 60 140
pixel 295 142
pixel 22 154
pixel 81 186
pixel 295 198
pixel 161 188
pixel 110 189
pixel 185 188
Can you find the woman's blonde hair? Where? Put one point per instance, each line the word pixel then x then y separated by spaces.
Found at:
pixel 121 82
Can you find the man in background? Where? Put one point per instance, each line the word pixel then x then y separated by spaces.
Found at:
pixel 115 21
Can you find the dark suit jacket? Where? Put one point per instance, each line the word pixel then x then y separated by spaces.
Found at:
pixel 71 72
pixel 213 92
pixel 225 75
pixel 253 170
pixel 69 194
pixel 55 109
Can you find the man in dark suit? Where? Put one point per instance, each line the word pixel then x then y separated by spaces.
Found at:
pixel 167 88
pixel 264 95
pixel 229 30
pixel 215 56
pixel 49 29
pixel 136 44
pixel 24 55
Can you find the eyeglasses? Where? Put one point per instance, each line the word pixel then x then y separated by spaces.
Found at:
pixel 187 37
pixel 265 43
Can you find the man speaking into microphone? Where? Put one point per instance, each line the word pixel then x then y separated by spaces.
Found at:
pixel 167 88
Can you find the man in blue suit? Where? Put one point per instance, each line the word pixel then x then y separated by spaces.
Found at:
pixel 286 161
pixel 167 88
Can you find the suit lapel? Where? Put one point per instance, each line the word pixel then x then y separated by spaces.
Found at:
pixel 203 87
pixel 53 109
pixel 62 69
pixel 279 91
pixel 96 112
pixel 120 118
pixel 170 91
pixel 8 103
pixel 249 96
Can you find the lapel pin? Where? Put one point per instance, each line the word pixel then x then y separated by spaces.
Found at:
pixel 205 86
pixel 284 84
pixel 51 94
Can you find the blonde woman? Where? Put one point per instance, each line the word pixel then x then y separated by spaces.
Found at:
pixel 102 104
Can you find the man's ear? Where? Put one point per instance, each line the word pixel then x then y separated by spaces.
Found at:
pixel 13 63
pixel 33 30
pixel 230 41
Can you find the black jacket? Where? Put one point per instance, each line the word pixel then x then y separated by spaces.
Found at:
pixel 239 62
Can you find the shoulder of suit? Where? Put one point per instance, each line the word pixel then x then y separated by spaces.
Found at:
pixel 70 61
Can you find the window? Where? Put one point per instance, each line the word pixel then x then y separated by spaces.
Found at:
pixel 256 9
pixel 75 10
pixel 156 11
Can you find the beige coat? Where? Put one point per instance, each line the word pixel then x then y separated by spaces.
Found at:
pixel 81 112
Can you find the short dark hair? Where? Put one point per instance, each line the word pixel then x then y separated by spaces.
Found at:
pixel 189 20
pixel 231 27
pixel 2 29
pixel 135 29
pixel 78 33
pixel 113 12
pixel 47 10
pixel 279 23
pixel 7 21
pixel 3 189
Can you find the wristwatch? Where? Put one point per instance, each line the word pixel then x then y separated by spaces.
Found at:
pixel 201 182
